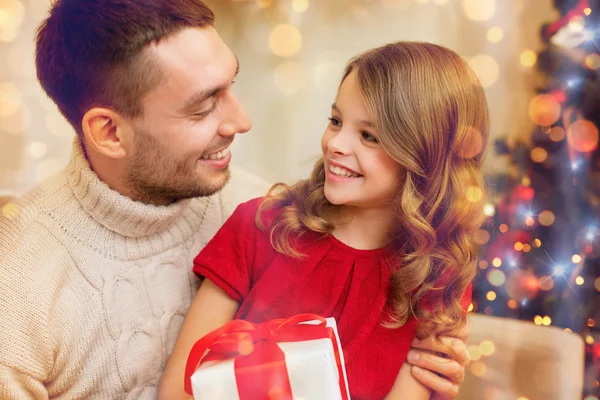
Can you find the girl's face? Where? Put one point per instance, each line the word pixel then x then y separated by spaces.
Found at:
pixel 358 170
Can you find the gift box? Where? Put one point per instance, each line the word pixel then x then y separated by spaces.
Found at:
pixel 295 358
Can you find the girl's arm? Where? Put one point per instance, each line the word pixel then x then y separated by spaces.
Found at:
pixel 406 387
pixel 211 309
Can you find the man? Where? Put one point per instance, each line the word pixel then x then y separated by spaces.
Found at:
pixel 95 264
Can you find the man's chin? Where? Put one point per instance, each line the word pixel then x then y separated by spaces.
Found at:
pixel 216 183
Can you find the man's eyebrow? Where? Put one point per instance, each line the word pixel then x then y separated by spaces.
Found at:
pixel 365 122
pixel 201 96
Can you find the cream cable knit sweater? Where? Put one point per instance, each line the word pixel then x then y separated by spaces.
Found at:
pixel 94 286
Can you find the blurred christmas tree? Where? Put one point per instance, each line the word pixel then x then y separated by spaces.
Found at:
pixel 540 253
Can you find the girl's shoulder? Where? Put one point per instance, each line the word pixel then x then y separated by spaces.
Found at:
pixel 252 212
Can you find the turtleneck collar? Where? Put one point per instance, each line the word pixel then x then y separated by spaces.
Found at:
pixel 113 210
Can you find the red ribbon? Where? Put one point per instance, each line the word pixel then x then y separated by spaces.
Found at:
pixel 260 368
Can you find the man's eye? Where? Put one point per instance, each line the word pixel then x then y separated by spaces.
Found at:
pixel 204 114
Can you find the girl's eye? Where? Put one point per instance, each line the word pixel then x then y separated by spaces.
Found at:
pixel 334 121
pixel 368 137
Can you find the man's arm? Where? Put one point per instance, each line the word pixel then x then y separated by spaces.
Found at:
pixel 17 385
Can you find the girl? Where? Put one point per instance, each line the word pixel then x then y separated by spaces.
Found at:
pixel 379 235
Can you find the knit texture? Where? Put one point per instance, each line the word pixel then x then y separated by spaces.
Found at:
pixel 94 286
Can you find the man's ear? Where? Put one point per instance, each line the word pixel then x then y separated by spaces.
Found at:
pixel 107 132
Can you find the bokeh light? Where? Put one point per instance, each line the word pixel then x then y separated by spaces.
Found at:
pixel 474 194
pixel 503 228
pixel 544 110
pixel 495 34
pixel 290 77
pixel 16 122
pixel 474 352
pixel 479 10
pixel 487 347
pixel 491 295
pixel 582 135
pixel 557 134
pixel 529 221
pixel 478 368
pixel 12 13
pixel 37 149
pixel 497 262
pixel 579 280
pixel 481 237
pixel 522 285
pixel 489 210
pixel 285 40
pixel 496 277
pixel 300 5
pixel 539 154
pixel 486 68
pixel 546 218
pixel 592 61
pixel 589 339
pixel 264 3
pixel 528 58
pixel 10 99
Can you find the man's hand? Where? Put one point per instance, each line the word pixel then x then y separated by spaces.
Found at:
pixel 439 368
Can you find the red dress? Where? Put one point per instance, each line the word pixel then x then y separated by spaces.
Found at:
pixel 332 280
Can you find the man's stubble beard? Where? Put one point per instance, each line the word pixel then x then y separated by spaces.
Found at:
pixel 156 176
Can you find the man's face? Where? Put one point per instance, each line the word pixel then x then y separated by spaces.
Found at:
pixel 189 120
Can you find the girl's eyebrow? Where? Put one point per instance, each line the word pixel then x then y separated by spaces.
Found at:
pixel 368 123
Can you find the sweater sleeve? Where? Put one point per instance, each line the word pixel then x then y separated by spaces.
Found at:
pixel 26 355
pixel 227 260
pixel 18 385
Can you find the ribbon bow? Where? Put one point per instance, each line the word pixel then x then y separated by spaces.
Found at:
pixel 254 345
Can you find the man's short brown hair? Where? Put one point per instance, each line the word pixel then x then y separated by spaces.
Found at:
pixel 89 52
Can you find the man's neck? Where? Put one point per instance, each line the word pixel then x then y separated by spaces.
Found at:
pixel 109 171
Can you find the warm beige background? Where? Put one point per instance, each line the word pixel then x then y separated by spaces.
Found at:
pixel 287 97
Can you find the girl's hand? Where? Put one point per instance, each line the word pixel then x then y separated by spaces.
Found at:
pixel 439 368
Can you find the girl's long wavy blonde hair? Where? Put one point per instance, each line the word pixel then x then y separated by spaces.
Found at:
pixel 431 115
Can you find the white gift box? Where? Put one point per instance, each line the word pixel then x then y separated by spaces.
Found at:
pixel 312 370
